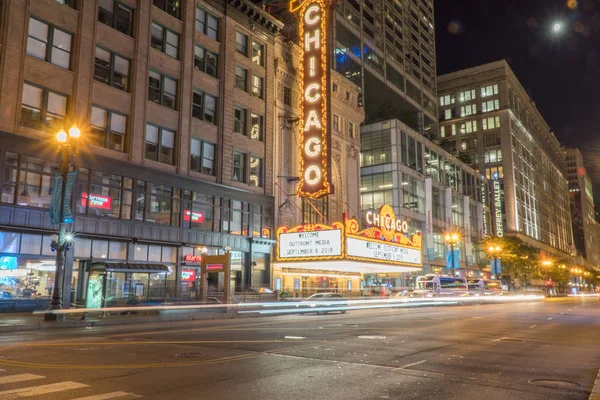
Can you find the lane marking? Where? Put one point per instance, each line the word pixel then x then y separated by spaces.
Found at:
pixel 371 337
pixel 413 364
pixel 499 339
pixel 43 389
pixel 550 319
pixel 105 396
pixel 532 326
pixel 478 317
pixel 19 378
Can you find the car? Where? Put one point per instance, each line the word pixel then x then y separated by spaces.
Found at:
pixel 326 300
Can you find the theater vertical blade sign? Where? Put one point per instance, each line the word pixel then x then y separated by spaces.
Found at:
pixel 315 156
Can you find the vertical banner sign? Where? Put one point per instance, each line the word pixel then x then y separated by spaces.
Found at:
pixel 315 156
pixel 467 230
pixel 69 187
pixel 429 220
pixel 499 225
pixel 55 201
pixel 448 207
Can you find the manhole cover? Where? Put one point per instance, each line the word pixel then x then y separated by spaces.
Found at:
pixel 189 355
pixel 555 384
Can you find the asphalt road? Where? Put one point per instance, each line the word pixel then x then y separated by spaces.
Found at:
pixel 460 352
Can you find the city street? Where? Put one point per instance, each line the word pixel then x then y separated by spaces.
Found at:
pixel 487 352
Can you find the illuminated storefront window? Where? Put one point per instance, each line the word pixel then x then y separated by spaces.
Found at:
pixel 104 195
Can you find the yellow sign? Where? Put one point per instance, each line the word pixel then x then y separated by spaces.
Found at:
pixel 386 220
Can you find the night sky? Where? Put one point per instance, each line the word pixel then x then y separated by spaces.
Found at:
pixel 560 70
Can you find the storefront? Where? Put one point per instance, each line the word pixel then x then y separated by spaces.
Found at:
pixel 343 259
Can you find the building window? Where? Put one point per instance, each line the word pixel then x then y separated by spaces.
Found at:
pixel 351 129
pixel 103 194
pixel 239 120
pixel 241 78
pixel 204 106
pixel 157 204
pixel 199 210
pixel 69 3
pixel 241 43
pixel 490 90
pixel 468 127
pixel 160 144
pixel 315 211
pixel 116 15
pixel 257 86
pixel 236 217
pixel 467 95
pixel 413 194
pixel 493 156
pixel 336 123
pixel 287 96
pixel 490 105
pixel 165 40
pixel 111 69
pixel 491 123
pixel 261 224
pixel 162 90
pixel 376 190
pixel 27 181
pixel 171 7
pixel 258 53
pixel 207 23
pixel 448 114
pixel 256 126
pixel 202 157
pixel 42 108
pixel 471 109
pixel 447 100
pixel 49 43
pixel 108 129
pixel 239 166
pixel 205 61
pixel 376 148
pixel 256 171
pixel 442 131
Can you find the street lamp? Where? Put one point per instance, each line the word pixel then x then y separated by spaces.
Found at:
pixel 495 256
pixel 67 147
pixel 452 240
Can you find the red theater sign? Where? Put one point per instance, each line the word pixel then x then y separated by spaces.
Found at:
pixel 314 103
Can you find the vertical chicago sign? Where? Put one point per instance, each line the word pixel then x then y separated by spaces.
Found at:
pixel 314 103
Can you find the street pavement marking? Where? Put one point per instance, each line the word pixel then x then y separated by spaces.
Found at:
pixel 478 317
pixel 105 396
pixel 19 378
pixel 532 326
pixel 550 319
pixel 413 364
pixel 43 389
pixel 499 339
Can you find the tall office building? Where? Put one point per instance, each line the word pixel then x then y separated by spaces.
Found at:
pixel 586 230
pixel 388 49
pixel 488 120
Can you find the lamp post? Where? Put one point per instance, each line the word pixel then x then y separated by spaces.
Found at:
pixel 452 240
pixel 495 255
pixel 67 147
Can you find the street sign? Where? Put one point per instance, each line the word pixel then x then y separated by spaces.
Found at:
pixel 70 186
pixel 55 202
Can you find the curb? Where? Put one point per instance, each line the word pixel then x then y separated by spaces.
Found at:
pixel 595 395
pixel 95 322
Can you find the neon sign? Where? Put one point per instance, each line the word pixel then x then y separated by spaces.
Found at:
pixel 314 104
pixel 192 258
pixel 385 219
pixel 498 209
pixel 96 201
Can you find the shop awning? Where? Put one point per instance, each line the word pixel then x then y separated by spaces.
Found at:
pixel 127 267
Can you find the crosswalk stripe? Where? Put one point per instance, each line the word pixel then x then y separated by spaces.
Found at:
pixel 105 396
pixel 19 378
pixel 43 389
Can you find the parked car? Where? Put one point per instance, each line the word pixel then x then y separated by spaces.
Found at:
pixel 325 300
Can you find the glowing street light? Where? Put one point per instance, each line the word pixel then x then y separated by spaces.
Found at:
pixel 557 27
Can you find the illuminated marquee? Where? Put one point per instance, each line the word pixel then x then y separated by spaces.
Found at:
pixel 385 219
pixel 314 107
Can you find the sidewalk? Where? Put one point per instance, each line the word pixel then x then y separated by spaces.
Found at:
pixel 595 395
pixel 35 322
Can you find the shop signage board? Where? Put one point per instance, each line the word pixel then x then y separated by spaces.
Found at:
pixel 314 78
pixel 385 243
pixel 96 201
pixel 192 258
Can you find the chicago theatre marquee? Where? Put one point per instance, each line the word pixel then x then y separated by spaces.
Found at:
pixel 312 258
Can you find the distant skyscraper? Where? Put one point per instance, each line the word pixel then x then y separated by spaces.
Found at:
pixel 388 49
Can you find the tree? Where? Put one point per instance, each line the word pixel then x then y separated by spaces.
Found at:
pixel 519 260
